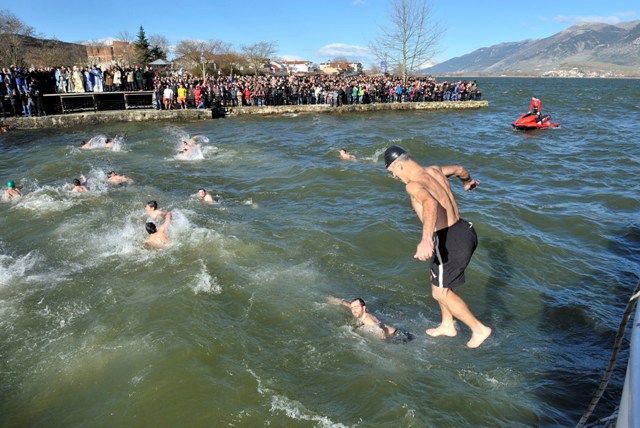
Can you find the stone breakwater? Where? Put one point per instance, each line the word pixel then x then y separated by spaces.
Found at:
pixel 144 115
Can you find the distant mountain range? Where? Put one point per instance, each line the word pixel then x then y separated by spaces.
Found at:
pixel 583 50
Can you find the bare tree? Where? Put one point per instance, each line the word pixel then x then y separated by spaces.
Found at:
pixel 48 52
pixel 200 52
pixel 126 54
pixel 411 39
pixel 12 36
pixel 257 54
pixel 159 46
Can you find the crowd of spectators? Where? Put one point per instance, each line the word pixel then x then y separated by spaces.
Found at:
pixel 177 91
pixel 25 88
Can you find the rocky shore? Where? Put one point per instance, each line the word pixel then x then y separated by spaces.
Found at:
pixel 143 115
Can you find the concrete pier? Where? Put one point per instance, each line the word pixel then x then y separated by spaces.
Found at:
pixel 144 115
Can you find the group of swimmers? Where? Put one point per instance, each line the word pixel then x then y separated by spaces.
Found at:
pixel 447 241
pixel 157 234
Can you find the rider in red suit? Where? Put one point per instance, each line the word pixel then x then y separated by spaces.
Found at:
pixel 535 108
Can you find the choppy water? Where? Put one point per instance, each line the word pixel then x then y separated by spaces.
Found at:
pixel 228 326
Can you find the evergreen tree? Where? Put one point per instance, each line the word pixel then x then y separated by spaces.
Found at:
pixel 142 46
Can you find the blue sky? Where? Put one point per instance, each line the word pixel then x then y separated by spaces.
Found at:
pixel 313 30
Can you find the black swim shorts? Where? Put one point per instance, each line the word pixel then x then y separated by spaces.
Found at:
pixel 400 336
pixel 453 248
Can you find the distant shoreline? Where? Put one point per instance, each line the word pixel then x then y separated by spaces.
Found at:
pixel 150 115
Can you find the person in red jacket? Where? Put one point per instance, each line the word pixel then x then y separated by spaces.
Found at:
pixel 247 96
pixel 535 108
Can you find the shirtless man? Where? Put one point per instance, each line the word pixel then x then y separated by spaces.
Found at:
pixel 114 178
pixel 158 236
pixel 204 196
pixel 186 149
pixel 359 311
pixel 80 186
pixel 344 155
pixel 447 240
pixel 88 144
pixel 11 192
pixel 152 210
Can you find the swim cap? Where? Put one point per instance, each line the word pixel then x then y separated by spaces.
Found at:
pixel 391 154
pixel 11 184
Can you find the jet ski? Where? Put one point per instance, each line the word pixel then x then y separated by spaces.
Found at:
pixel 528 121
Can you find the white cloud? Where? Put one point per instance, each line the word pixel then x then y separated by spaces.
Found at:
pixel 357 3
pixel 340 49
pixel 106 41
pixel 611 19
pixel 427 64
pixel 291 58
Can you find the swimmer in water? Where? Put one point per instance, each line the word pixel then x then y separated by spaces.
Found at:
pixel 117 179
pixel 88 144
pixel 152 210
pixel 80 186
pixel 204 196
pixel 186 149
pixel 158 235
pixel 11 192
pixel 346 156
pixel 359 311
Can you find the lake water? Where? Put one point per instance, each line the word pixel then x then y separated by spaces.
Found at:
pixel 229 326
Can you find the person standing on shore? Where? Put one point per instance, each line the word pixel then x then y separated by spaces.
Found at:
pixel 447 240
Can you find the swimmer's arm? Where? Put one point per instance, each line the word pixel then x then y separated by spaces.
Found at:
pixel 427 210
pixel 167 220
pixel 460 172
pixel 337 301
pixel 388 330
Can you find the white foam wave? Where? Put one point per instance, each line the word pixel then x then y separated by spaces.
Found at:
pixel 13 268
pixel 292 408
pixel 204 283
pixel 295 410
pixel 47 199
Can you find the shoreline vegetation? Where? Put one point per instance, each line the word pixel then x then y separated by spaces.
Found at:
pixel 144 115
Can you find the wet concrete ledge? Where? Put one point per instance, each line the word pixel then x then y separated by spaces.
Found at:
pixel 145 115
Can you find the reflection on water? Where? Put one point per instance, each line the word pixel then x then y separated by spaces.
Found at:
pixel 228 324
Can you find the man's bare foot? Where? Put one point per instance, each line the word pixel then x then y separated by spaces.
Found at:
pixel 478 338
pixel 442 331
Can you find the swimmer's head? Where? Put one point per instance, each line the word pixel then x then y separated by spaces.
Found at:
pixel 111 174
pixel 153 205
pixel 109 140
pixel 358 307
pixel 392 154
pixel 11 184
pixel 360 301
pixel 151 228
pixel 76 182
pixel 202 192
